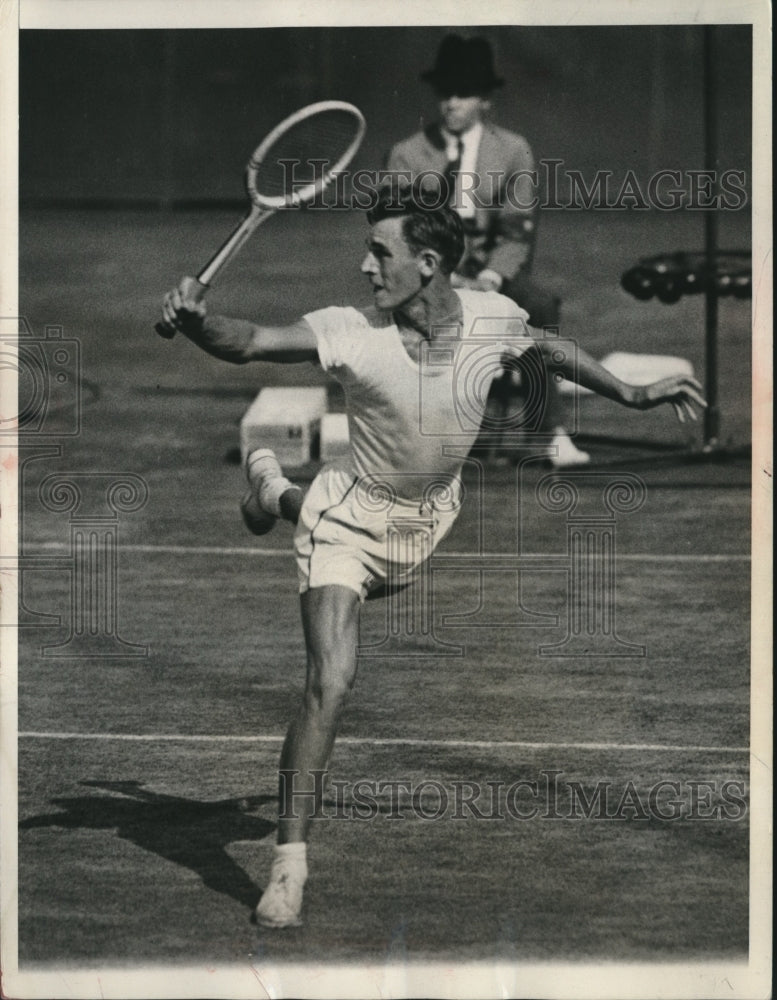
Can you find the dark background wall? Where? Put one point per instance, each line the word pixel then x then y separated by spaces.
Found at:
pixel 165 116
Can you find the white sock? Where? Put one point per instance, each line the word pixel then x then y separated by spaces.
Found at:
pixel 270 494
pixel 297 851
pixel 267 479
pixel 292 854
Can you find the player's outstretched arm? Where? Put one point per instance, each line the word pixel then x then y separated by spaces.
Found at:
pixel 235 340
pixel 682 392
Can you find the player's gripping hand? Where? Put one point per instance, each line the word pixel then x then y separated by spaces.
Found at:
pixel 183 308
pixel 682 392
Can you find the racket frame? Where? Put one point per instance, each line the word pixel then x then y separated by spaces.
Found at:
pixel 262 206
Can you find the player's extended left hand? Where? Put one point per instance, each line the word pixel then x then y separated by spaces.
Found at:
pixel 683 392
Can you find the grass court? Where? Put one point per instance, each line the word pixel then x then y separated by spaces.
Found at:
pixel 147 783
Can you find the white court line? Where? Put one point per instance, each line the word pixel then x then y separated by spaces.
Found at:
pixel 221 550
pixel 384 742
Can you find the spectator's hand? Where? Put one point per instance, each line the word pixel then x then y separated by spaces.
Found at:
pixel 481 283
pixel 485 283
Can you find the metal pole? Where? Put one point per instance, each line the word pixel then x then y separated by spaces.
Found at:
pixel 711 414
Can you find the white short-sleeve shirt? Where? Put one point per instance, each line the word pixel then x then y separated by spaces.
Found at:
pixel 414 421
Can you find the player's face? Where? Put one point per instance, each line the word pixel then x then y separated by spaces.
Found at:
pixel 459 114
pixel 390 264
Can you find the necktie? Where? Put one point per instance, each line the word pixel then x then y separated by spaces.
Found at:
pixel 452 169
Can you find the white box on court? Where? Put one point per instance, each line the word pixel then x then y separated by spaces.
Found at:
pixel 334 436
pixel 288 420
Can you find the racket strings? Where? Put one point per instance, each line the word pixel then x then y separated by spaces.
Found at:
pixel 294 166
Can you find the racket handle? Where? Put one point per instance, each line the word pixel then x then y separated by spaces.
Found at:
pixel 233 243
pixel 164 331
pixel 198 290
pixel 223 255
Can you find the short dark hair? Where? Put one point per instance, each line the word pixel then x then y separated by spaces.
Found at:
pixel 427 221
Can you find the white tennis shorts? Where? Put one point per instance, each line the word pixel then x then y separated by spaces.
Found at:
pixel 358 533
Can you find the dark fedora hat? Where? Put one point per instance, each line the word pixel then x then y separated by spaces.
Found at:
pixel 464 66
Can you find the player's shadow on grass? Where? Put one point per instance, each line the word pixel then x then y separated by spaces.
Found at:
pixel 186 831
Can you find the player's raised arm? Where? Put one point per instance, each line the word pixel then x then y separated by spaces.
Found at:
pixel 235 340
pixel 682 392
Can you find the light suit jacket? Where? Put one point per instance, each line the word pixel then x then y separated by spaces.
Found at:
pixel 501 236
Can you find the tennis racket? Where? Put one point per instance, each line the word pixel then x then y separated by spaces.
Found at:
pixel 290 167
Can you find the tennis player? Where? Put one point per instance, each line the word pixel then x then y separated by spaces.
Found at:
pixel 402 412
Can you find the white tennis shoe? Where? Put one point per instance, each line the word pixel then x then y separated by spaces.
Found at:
pixel 564 452
pixel 256 518
pixel 281 902
pixel 259 506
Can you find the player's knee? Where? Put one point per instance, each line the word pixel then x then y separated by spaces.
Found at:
pixel 326 699
pixel 328 690
pixel 331 638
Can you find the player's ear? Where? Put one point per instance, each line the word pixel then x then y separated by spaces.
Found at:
pixel 429 262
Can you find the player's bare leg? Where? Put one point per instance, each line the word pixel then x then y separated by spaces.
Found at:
pixel 330 618
pixel 271 495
